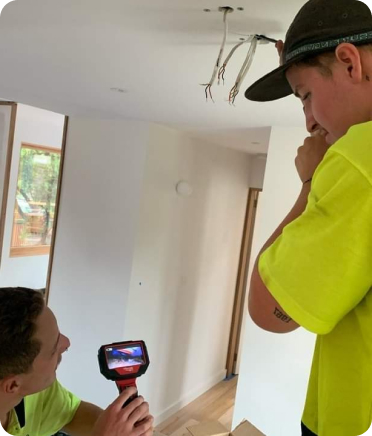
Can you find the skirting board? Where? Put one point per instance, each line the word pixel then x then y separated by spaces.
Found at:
pixel 189 397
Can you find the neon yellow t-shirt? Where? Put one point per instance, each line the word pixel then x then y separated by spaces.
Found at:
pixel 320 271
pixel 46 412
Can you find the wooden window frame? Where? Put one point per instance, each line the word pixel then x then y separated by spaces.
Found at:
pixel 38 250
pixel 8 166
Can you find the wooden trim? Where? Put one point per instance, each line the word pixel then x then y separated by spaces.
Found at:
pixel 56 215
pixel 241 283
pixel 41 147
pixel 8 167
pixel 37 250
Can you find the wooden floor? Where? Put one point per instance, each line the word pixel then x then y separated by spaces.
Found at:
pixel 215 405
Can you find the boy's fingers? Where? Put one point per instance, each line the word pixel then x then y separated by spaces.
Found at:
pixel 133 406
pixel 145 426
pixel 280 46
pixel 139 415
pixel 123 398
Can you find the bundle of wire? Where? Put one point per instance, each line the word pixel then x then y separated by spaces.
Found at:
pixel 220 70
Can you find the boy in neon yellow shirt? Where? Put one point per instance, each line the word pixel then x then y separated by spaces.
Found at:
pixel 315 271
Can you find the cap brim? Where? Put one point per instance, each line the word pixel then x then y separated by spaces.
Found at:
pixel 271 87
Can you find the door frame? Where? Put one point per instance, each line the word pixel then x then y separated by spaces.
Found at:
pixel 241 282
pixel 58 201
pixel 8 167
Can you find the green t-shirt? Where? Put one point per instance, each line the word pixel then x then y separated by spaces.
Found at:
pixel 320 271
pixel 46 412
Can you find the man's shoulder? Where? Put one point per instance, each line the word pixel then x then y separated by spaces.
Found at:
pixel 50 410
pixel 50 391
pixel 356 148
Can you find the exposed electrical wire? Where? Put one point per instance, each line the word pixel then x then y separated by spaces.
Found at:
pixel 209 85
pixel 221 72
pixel 265 38
pixel 243 71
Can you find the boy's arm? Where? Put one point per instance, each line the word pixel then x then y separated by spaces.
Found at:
pixel 263 308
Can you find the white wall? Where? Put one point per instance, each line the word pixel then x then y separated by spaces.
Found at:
pixel 185 266
pixel 257 174
pixel 99 208
pixel 40 127
pixel 256 180
pixel 274 369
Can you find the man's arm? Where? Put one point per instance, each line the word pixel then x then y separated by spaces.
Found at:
pixel 131 420
pixel 264 310
pixel 84 420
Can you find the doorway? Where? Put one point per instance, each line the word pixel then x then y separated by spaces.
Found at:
pixel 31 152
pixel 241 283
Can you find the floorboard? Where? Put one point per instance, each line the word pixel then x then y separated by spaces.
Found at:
pixel 215 405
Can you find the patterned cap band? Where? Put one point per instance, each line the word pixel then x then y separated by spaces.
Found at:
pixel 309 48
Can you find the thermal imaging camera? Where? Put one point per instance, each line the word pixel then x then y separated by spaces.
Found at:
pixel 123 363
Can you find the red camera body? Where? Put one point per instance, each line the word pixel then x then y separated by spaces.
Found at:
pixel 123 363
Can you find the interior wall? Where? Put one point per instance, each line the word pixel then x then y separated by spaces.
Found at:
pixel 258 168
pixel 185 266
pixel 256 180
pixel 99 210
pixel 274 368
pixel 40 127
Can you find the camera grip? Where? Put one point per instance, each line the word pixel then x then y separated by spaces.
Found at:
pixel 125 384
pixel 133 397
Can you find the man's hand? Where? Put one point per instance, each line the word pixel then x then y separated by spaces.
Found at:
pixel 310 155
pixel 133 420
pixel 280 46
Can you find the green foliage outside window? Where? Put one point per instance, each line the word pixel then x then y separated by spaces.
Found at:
pixel 36 196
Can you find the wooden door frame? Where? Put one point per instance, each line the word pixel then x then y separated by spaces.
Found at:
pixel 8 168
pixel 241 282
pixel 58 199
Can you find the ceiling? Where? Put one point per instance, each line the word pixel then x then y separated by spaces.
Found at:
pixel 66 55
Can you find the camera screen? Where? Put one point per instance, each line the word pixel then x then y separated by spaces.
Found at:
pixel 122 356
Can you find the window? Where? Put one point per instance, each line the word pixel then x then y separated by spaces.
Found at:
pixel 35 200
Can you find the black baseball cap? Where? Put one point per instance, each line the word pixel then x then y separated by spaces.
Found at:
pixel 319 27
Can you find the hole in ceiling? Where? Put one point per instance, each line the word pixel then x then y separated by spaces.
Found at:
pixel 227 9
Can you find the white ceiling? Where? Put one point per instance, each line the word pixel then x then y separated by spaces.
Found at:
pixel 65 55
